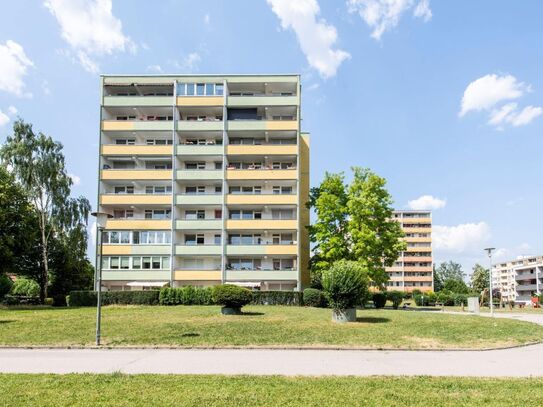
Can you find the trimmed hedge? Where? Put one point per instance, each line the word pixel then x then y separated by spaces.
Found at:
pixel 379 299
pixel 88 298
pixel 186 296
pixel 314 298
pixel 10 299
pixel 277 298
pixel 396 298
pixel 231 296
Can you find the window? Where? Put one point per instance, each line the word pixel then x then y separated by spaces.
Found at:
pixel 136 263
pixel 156 263
pixel 158 213
pixel 125 263
pixel 218 189
pixel 195 166
pixel 146 262
pixel 105 263
pixel 129 189
pixel 123 214
pixel 209 89
pixel 190 89
pixel 282 190
pixel 114 263
pixel 125 141
pixel 158 189
pixel 218 213
pixel 282 214
pixel 125 237
pixel 165 262
pixel 219 89
pixel 217 239
pixel 200 89
pixel 218 165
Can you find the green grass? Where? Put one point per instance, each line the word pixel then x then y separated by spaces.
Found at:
pixel 260 326
pixel 170 390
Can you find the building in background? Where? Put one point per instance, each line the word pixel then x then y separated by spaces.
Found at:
pixel 413 269
pixel 206 178
pixel 519 279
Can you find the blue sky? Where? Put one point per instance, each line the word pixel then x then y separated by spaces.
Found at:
pixel 440 97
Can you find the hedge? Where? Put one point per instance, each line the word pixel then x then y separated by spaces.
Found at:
pixel 379 299
pixel 185 296
pixel 314 298
pixel 277 298
pixel 88 298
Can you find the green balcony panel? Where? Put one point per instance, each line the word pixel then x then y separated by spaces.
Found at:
pixel 243 101
pixel 152 249
pixel 138 101
pixel 136 275
pixel 256 125
pixel 200 150
pixel 199 199
pixel 198 250
pixel 248 275
pixel 198 175
pixel 182 224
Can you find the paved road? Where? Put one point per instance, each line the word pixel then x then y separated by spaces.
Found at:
pixel 517 362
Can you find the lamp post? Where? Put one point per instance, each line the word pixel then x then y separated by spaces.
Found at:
pixel 101 218
pixel 491 303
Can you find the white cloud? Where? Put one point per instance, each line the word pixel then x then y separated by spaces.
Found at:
pixel 484 93
pixel 154 68
pixel 384 15
pixel 45 87
pixel 423 10
pixel 4 119
pixel 12 110
pixel 190 62
pixel 207 19
pixel 75 179
pixel 315 36
pixel 498 116
pixel 460 239
pixel 525 116
pixel 90 28
pixel 13 67
pixel 426 202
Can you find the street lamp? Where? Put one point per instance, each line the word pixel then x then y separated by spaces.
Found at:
pixel 101 218
pixel 489 252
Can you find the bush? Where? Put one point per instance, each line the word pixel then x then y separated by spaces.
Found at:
pixel 277 298
pixel 5 285
pixel 396 298
pixel 48 301
pixel 460 299
pixel 231 296
pixel 379 299
pixel 445 298
pixel 314 298
pixel 428 298
pixel 20 300
pixel 345 284
pixel 25 287
pixel 89 298
pixel 185 296
pixel 415 292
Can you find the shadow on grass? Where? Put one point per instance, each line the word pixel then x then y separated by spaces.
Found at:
pixel 6 321
pixel 190 335
pixel 372 320
pixel 251 313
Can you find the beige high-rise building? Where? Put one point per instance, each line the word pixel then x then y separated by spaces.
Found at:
pixel 206 178
pixel 519 279
pixel 413 269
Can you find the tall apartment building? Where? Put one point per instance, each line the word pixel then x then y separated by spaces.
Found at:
pixel 206 179
pixel 413 269
pixel 519 279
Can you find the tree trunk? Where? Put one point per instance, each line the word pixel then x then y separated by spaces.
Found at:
pixel 45 271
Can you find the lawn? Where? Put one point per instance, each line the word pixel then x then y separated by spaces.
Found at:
pixel 270 326
pixel 171 390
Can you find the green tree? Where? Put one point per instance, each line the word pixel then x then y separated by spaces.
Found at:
pixel 480 278
pixel 39 167
pixel 376 236
pixel 456 286
pixel 449 271
pixel 438 283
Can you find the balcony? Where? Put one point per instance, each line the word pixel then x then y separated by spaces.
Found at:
pixel 197 149
pixel 261 224
pixel 146 275
pixel 261 249
pixel 200 125
pixel 417 259
pixel 262 125
pixel 268 149
pixel 199 175
pixel 198 224
pixel 199 199
pixel 132 150
pixel 199 250
pixel 261 100
pixel 198 275
pixel 200 100
pixel 137 125
pixel 417 230
pixel 235 174
pixel 135 175
pixel 260 275
pixel 138 224
pixel 526 287
pixel 141 101
pixel 135 199
pixel 526 276
pixel 261 199
pixel 141 249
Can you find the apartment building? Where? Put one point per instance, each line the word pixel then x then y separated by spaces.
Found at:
pixel 413 269
pixel 519 279
pixel 206 179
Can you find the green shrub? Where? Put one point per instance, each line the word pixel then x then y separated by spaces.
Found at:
pixel 314 298
pixel 89 298
pixel 446 298
pixel 48 301
pixel 415 292
pixel 396 298
pixel 5 285
pixel 25 287
pixel 10 299
pixel 379 299
pixel 426 299
pixel 345 284
pixel 277 298
pixel 460 299
pixel 186 296
pixel 231 296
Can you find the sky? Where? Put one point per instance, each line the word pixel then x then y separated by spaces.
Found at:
pixel 442 98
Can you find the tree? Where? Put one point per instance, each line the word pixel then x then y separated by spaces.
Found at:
pixel 38 165
pixel 480 278
pixel 449 271
pixel 438 282
pixel 456 286
pixel 376 236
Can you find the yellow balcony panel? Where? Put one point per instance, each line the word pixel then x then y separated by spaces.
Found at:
pixel 417 230
pixel 233 199
pixel 416 220
pixel 114 125
pixel 136 175
pixel 427 269
pixel 112 149
pixel 261 174
pixel 418 249
pixel 120 249
pixel 145 249
pixel 413 259
pixel 282 249
pixel 418 278
pixel 135 199
pixel 203 275
pixel 250 224
pixel 262 150
pixel 282 125
pixel 200 101
pixel 137 224
pixel 418 239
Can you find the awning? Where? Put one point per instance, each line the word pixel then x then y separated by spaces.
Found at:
pixel 244 284
pixel 147 283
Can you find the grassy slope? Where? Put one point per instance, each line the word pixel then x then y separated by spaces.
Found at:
pixel 145 390
pixel 264 325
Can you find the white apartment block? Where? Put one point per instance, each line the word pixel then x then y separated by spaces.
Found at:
pixel 519 279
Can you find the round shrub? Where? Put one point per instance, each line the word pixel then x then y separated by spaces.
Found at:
pixel 5 285
pixel 25 287
pixel 396 298
pixel 314 298
pixel 231 296
pixel 379 299
pixel 345 284
pixel 445 298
